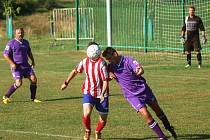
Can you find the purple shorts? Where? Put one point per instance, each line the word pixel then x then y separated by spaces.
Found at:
pixel 100 107
pixel 22 71
pixel 140 100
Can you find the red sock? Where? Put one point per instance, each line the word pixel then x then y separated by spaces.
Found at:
pixel 100 126
pixel 86 122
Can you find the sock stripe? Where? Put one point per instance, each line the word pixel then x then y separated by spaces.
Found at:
pixel 153 124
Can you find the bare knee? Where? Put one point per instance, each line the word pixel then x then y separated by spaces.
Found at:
pixel 146 115
pixel 18 83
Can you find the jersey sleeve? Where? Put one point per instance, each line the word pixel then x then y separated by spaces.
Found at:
pixel 29 48
pixel 134 64
pixel 79 68
pixel 201 26
pixel 8 49
pixel 104 71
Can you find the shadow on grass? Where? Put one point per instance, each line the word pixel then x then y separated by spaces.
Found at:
pixel 194 137
pixel 70 98
pixel 148 138
pixel 180 137
pixel 66 98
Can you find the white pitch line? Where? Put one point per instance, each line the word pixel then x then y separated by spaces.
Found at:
pixel 40 134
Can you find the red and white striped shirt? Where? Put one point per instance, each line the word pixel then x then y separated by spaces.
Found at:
pixel 96 73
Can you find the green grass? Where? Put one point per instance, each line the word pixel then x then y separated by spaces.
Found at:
pixel 183 94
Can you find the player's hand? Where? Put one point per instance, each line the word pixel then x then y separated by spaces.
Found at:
pixel 182 39
pixel 204 40
pixel 101 98
pixel 13 66
pixel 33 64
pixel 63 86
pixel 112 76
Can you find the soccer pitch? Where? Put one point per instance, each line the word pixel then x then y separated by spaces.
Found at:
pixel 183 94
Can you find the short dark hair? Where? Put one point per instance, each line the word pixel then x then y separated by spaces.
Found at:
pixel 109 50
pixel 192 7
pixel 92 43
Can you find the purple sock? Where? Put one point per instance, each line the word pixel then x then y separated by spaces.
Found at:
pixel 155 127
pixel 33 91
pixel 11 90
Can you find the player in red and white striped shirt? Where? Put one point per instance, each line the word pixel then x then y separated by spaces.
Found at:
pixel 95 89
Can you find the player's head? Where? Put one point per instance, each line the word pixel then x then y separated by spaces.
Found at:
pixel 19 34
pixel 111 55
pixel 192 10
pixel 93 51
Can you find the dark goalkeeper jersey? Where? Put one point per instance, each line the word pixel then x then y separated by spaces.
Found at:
pixel 192 26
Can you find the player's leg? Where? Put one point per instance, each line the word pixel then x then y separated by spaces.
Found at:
pixel 12 89
pixel 139 104
pixel 29 73
pixel 103 114
pixel 151 122
pixel 197 48
pixel 187 49
pixel 17 75
pixel 88 104
pixel 161 115
pixel 33 88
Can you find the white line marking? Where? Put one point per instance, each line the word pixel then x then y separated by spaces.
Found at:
pixel 40 134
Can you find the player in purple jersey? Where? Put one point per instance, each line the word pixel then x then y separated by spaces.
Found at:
pixel 16 54
pixel 191 27
pixel 128 73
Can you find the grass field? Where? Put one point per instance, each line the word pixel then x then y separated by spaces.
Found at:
pixel 183 93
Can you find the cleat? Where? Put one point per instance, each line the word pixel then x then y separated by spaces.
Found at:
pixel 87 135
pixel 163 139
pixel 172 131
pixel 199 66
pixel 98 136
pixel 6 100
pixel 36 101
pixel 187 66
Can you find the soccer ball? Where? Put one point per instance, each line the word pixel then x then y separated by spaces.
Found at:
pixel 93 51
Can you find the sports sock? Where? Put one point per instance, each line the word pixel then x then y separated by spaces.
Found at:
pixel 33 88
pixel 11 90
pixel 86 122
pixel 100 126
pixel 165 121
pixel 189 59
pixel 199 58
pixel 155 127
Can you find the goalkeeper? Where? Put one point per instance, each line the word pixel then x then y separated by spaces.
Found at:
pixel 191 43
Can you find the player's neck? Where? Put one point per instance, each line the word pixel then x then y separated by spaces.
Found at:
pixel 19 40
pixel 191 16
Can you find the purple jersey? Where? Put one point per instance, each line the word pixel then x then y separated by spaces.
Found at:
pixel 18 51
pixel 130 83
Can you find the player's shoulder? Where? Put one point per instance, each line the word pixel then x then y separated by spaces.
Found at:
pixel 25 41
pixel 128 58
pixel 10 44
pixel 197 17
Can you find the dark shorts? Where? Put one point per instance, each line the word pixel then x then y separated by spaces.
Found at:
pixel 22 71
pixel 192 45
pixel 102 108
pixel 140 100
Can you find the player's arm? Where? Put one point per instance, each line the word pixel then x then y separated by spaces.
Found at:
pixel 182 36
pixel 139 71
pixel 72 74
pixel 30 55
pixel 8 52
pixel 11 63
pixel 111 74
pixel 104 88
pixel 201 26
